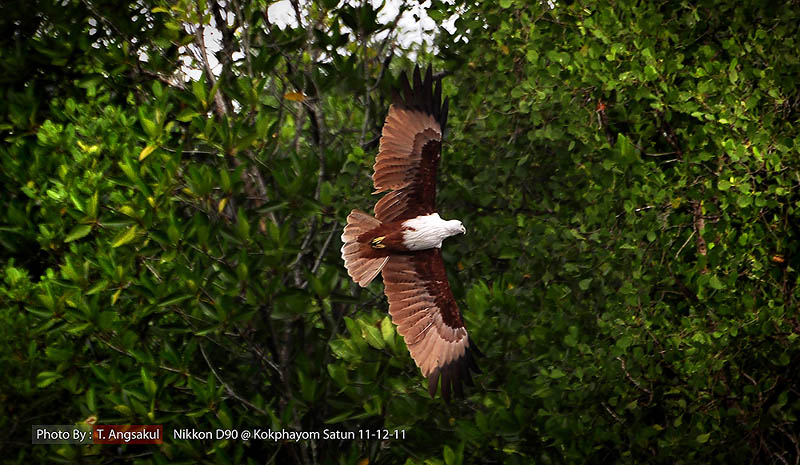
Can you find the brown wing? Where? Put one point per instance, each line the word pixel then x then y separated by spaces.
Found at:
pixel 423 308
pixel 410 150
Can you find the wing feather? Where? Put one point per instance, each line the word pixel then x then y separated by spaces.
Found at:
pixel 410 149
pixel 429 320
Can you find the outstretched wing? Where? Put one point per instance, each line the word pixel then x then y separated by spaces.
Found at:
pixel 410 148
pixel 423 308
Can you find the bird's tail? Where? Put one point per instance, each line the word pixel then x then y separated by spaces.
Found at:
pixel 363 262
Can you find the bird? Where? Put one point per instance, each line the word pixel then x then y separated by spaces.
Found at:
pixel 403 241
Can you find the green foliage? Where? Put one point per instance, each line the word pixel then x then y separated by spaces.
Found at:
pixel 636 206
pixel 628 174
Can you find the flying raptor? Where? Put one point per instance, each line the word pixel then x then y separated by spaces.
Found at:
pixel 404 239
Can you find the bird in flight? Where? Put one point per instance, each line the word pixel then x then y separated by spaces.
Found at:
pixel 403 240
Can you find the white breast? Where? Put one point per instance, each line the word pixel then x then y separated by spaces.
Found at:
pixel 428 231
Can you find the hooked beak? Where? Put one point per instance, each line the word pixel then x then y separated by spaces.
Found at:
pixel 463 230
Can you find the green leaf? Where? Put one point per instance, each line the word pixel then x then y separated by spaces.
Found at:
pixel 346 415
pixel 242 226
pixel 387 330
pixel 124 237
pixel 326 194
pixel 91 400
pixel 92 206
pixel 123 409
pixel 186 115
pixel 449 455
pixel 146 151
pixel 97 287
pixel 373 336
pixel 148 383
pixel 744 200
pixel 650 73
pixel 174 299
pixel 338 374
pixel 47 378
pixel 78 232
pixel 150 128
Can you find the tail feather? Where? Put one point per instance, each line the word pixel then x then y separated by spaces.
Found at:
pixel 363 262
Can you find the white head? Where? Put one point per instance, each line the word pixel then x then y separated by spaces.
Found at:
pixel 455 227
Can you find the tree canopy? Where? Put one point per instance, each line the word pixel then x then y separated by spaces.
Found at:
pixel 175 176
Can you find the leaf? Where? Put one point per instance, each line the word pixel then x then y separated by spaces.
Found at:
pixel 146 151
pixel 340 417
pixel 78 232
pixel 186 115
pixel 172 300
pixel 744 200
pixel 199 91
pixel 123 409
pixel 124 237
pixel 246 141
pixel 149 384
pixel 294 96
pixel 242 226
pixel 703 438
pixel 149 127
pixel 105 320
pixel 650 73
pixel 326 194
pixel 92 205
pixel 47 378
pixel 97 287
pixel 339 374
pixel 373 337
pixel 91 400
pixel 449 455
pixel 387 330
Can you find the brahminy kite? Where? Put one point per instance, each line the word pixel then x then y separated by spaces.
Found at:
pixel 404 239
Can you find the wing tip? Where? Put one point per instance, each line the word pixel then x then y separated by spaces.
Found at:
pixel 455 375
pixel 422 95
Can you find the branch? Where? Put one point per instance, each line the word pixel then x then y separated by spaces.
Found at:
pixel 322 251
pixel 245 37
pixel 227 387
pixel 699 225
pixel 611 412
pixel 628 375
pixel 201 44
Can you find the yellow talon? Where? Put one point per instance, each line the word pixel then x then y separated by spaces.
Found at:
pixel 376 242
